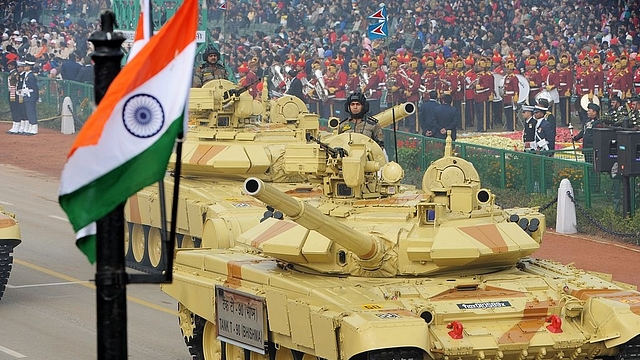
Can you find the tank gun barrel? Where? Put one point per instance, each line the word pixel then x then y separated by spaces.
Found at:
pixel 400 111
pixel 362 245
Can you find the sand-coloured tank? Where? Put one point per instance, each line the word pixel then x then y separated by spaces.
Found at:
pixel 372 270
pixel 9 239
pixel 231 137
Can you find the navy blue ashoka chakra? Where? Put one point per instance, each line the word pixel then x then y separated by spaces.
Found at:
pixel 143 115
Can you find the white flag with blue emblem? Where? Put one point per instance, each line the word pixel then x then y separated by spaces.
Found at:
pixel 126 143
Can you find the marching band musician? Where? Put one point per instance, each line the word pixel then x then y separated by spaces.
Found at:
pixel 483 95
pixel 496 103
pixel 552 80
pixel 449 80
pixel 618 79
pixel 429 78
pixel 353 78
pixel 458 92
pixel 247 77
pixel 534 77
pixel 412 93
pixel 301 64
pixel 314 99
pixel 598 74
pixel 584 85
pixel 394 83
pixel 335 83
pixel 636 75
pixel 565 85
pixel 469 81
pixel 543 59
pixel 511 93
pixel 377 79
pixel 626 74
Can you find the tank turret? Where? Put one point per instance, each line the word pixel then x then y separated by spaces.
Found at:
pixel 9 239
pixel 233 136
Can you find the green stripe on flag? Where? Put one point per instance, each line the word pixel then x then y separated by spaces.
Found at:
pixel 96 199
pixel 87 245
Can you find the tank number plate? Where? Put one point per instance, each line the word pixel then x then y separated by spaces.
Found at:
pixel 241 319
pixel 484 305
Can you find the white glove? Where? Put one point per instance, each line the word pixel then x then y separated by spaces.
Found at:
pixel 543 144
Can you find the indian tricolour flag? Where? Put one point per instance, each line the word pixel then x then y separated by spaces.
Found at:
pixel 126 143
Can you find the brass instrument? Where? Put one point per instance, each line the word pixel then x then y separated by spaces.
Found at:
pixel 320 88
pixel 584 101
pixel 276 79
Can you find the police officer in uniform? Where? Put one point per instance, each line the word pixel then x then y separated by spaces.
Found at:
pixel 211 69
pixel 16 108
pixel 529 132
pixel 357 106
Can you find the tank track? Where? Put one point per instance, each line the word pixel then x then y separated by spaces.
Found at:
pixel 630 350
pixel 6 263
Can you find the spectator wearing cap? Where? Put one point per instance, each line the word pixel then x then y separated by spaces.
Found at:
pixel 586 134
pixel 31 95
pixel 544 133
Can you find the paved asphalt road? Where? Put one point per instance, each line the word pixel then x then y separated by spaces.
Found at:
pixel 49 308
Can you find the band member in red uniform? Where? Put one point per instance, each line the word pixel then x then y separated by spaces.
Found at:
pixel 484 91
pixel 395 83
pixel 247 76
pixel 458 92
pixel 636 78
pixel 429 78
pixel 552 81
pixel 470 80
pixel 597 73
pixel 496 103
pixel 353 78
pixel 336 86
pixel 373 89
pixel 584 85
pixel 511 93
pixel 626 73
pixel 565 87
pixel 449 80
pixel 534 77
pixel 412 94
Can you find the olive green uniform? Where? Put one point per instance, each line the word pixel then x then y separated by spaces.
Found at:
pixel 209 72
pixel 367 126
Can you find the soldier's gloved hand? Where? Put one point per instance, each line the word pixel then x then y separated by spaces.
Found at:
pixel 549 87
pixel 478 87
pixel 394 88
pixel 341 152
pixel 515 98
pixel 532 83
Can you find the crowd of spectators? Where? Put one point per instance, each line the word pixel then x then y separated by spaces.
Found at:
pixel 324 28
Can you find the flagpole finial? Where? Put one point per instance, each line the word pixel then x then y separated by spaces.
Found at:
pixel 108 20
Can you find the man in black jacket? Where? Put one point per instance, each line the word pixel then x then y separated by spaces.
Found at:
pixel 427 117
pixel 447 117
pixel 295 85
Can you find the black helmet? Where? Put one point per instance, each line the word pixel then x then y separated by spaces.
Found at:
pixel 211 50
pixel 357 97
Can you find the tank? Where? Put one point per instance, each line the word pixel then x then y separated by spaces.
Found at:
pixel 231 136
pixel 9 239
pixel 373 270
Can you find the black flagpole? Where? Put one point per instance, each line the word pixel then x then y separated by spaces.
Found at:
pixel 111 278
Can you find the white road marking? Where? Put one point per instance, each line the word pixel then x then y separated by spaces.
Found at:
pixel 15 354
pixel 47 284
pixel 59 218
pixel 5 203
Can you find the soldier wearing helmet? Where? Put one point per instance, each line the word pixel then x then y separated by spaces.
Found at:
pixel 211 69
pixel 357 106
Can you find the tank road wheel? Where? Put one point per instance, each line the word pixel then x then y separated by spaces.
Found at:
pixel 199 335
pixel 233 352
pixel 187 242
pixel 154 246
pixel 284 353
pixel 138 242
pixel 127 238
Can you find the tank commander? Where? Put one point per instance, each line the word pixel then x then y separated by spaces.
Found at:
pixel 357 106
pixel 211 69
